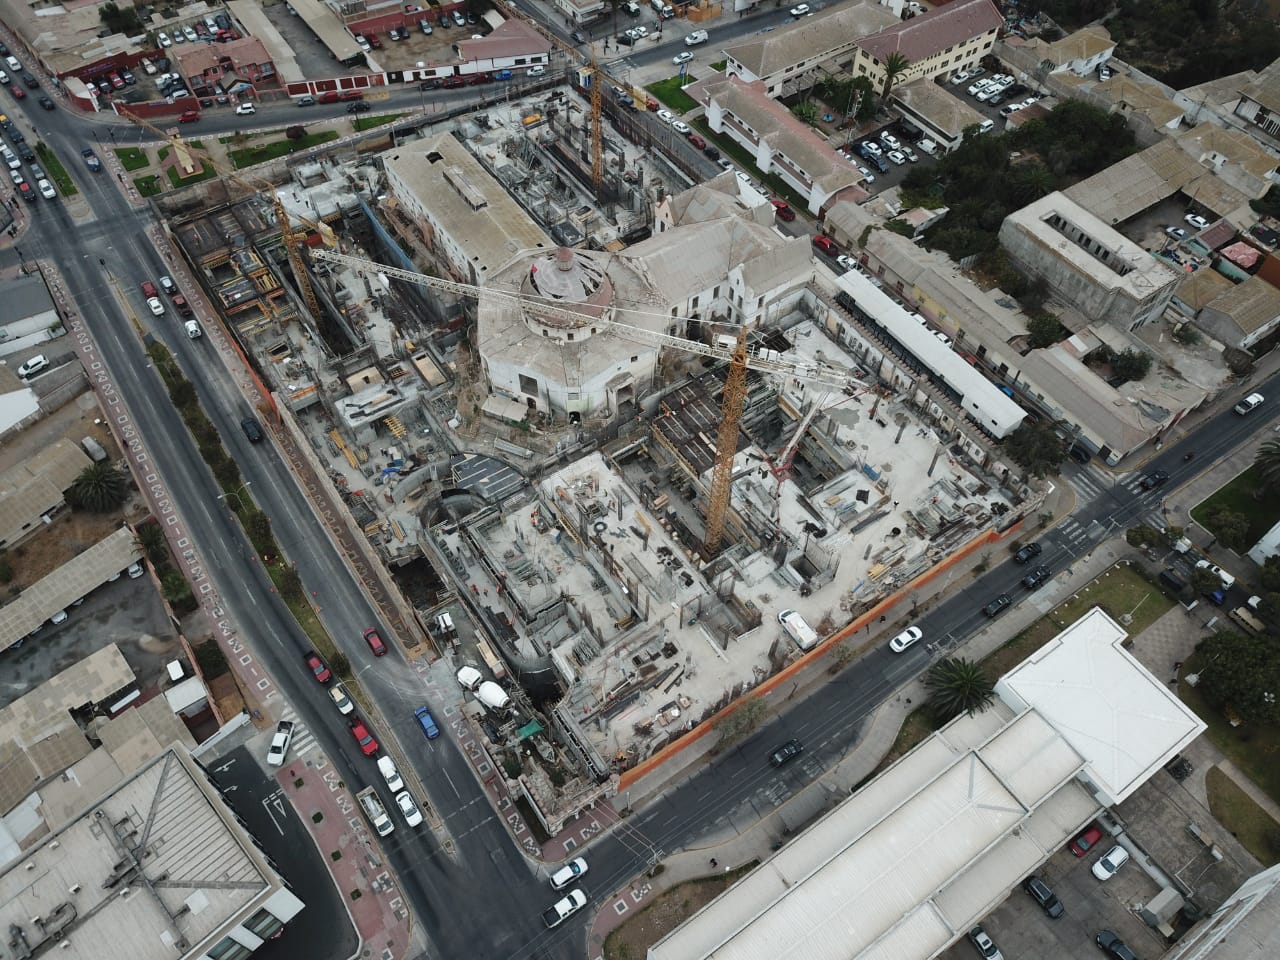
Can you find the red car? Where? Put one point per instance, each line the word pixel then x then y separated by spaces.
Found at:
pixel 149 289
pixel 368 745
pixel 784 211
pixel 826 245
pixel 375 42
pixel 18 92
pixel 375 642
pixel 181 305
pixel 452 82
pixel 1085 842
pixel 697 141
pixel 318 668
pixel 189 116
pixel 329 97
pixel 351 95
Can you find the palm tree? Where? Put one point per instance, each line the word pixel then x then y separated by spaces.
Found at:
pixel 100 487
pixel 957 686
pixel 894 66
pixel 151 540
pixel 1268 463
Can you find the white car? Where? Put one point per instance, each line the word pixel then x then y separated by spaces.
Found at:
pixel 280 741
pixel 684 56
pixel 46 189
pixel 977 88
pixel 17 178
pixel 1228 580
pixel 409 809
pixel 905 639
pixel 189 33
pixel 1110 863
pixel 58 618
pixel 986 93
pixel 679 126
pixel 245 109
pixel 871 147
pixel 340 699
pixel 889 140
pixel 164 39
pixel 666 116
pixel 799 10
pixel 911 154
pixel 458 19
pixel 866 174
pixel 363 44
pixel 846 261
pixel 177 35
pixel 536 71
pixel 33 366
pixel 1196 221
pixel 156 307
pixel 570 872
pixel 135 570
pixel 960 78
pixel 896 158
pixel 639 32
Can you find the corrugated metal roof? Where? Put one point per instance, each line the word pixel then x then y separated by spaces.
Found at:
pixel 921 37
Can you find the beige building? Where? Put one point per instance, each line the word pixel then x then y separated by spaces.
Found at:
pixel 943 41
pixel 463 215
pixel 34 491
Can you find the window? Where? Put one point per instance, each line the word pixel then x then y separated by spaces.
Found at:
pixel 635 357
pixel 230 949
pixel 263 924
pixel 528 385
pixel 693 304
pixel 570 334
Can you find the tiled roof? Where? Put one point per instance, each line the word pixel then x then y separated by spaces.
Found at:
pixel 921 37
pixel 936 104
pixel 1251 304
pixel 766 54
pixel 1265 87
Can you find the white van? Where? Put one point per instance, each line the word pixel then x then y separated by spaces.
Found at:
pixel 387 767
pixel 798 630
pixel 14 64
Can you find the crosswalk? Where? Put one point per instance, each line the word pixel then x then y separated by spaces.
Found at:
pixel 304 740
pixel 1072 534
pixel 1093 481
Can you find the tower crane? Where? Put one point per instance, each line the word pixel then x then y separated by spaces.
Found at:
pixel 735 389
pixel 293 239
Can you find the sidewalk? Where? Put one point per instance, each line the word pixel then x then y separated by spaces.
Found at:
pixel 366 886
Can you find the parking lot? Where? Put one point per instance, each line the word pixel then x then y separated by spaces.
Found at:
pixel 894 172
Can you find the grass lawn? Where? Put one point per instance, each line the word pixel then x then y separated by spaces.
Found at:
pixel 669 92
pixel 366 123
pixel 631 940
pixel 131 158
pixel 1254 748
pixel 1238 496
pixel 206 173
pixel 148 186
pixel 1247 822
pixel 57 172
pixel 1120 590
pixel 248 156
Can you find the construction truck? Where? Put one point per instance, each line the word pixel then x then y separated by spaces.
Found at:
pixel 373 809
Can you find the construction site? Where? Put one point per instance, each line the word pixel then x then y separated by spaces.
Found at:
pixel 601 464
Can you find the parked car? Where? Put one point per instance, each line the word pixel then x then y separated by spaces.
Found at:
pixel 46 189
pixel 1041 894
pixel 826 245
pixel 998 606
pixel 896 157
pixel 319 669
pixel 1113 946
pixel 358 107
pixel 245 109
pixel 1228 580
pixel 408 809
pixel 33 366
pixel 360 732
pixel 1109 863
pixel 782 210
pixel 1086 841
pixel 427 723
pixel 1196 221
pixel 340 699
pixel 983 943
pixel 684 56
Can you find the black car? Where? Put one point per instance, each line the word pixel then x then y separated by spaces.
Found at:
pixel 251 429
pixel 30 81
pixel 46 103
pixel 579 37
pixel 786 753
pixel 1029 552
pixel 711 152
pixel 1154 479
pixel 1079 454
pixel 206 101
pixel 358 107
pixel 998 605
pixel 1113 946
pixel 433 84
pixel 1042 895
pixel 624 40
pixel 1037 578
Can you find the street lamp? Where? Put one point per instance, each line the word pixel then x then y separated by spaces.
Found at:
pixel 236 493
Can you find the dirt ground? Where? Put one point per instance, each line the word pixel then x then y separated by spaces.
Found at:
pixel 633 939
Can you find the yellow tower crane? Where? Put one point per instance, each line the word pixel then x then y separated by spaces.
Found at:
pixel 292 238
pixel 735 395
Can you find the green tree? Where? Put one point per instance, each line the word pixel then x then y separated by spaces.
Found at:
pixel 152 541
pixel 1204 581
pixel 295 132
pixel 895 65
pixel 1037 448
pixel 1030 181
pixel 1231 527
pixel 177 591
pixel 957 686
pixel 1045 330
pixel 806 110
pixel 1267 460
pixel 739 722
pixel 1240 674
pixel 1131 364
pixel 100 488
pixel 291 584
pixel 119 21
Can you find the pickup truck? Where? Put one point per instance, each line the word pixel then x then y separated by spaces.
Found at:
pixel 91 160
pixel 280 743
pixel 558 912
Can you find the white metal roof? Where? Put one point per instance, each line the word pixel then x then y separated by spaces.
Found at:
pixel 903 867
pixel 1121 719
pixel 982 399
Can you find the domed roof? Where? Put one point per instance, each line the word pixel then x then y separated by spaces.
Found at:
pixel 569 278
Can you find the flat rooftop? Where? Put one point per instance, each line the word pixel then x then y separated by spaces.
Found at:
pixel 194 872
